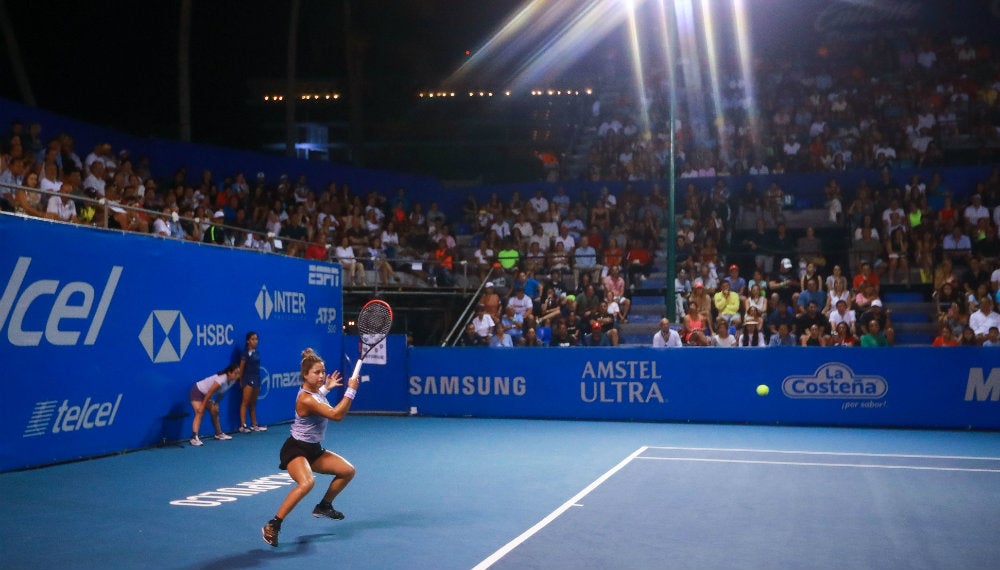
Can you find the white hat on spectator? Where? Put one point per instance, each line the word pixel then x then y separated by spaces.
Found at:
pixel 219 214
pixel 877 303
pixel 786 263
pixel 489 284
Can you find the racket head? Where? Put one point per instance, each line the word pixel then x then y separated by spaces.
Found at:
pixel 375 319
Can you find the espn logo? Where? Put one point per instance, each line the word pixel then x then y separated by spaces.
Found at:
pixel 324 275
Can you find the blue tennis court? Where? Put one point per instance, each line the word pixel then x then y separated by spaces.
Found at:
pixel 477 493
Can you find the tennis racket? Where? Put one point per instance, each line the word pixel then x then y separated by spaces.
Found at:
pixel 374 322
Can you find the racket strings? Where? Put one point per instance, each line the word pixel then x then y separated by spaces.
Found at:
pixel 375 319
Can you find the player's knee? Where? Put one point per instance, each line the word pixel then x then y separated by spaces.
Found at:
pixel 306 485
pixel 348 473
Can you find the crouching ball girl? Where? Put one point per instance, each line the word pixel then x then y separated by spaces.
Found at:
pixel 303 453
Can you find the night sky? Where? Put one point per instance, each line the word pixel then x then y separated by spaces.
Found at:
pixel 115 63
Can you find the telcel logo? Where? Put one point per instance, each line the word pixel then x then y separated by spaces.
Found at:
pixel 835 380
pixel 73 301
pixel 88 415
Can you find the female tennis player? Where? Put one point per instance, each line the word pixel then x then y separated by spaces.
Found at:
pixel 303 453
pixel 201 394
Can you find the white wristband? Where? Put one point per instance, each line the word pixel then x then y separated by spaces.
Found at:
pixel 350 393
pixel 323 390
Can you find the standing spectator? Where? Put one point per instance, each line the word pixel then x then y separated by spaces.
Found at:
pixel 250 383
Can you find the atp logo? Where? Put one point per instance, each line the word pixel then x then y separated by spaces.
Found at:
pixel 165 336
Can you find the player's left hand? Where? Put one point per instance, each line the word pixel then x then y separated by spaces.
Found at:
pixel 333 380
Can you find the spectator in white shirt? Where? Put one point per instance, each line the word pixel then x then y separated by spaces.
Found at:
pixel 666 337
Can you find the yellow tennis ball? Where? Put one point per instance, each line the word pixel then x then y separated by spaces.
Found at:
pixel 763 390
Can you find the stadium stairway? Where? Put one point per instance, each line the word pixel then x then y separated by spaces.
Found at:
pixel 647 310
pixel 914 314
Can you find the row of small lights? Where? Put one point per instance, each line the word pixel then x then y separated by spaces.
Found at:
pixel 534 93
pixel 304 97
pixel 440 94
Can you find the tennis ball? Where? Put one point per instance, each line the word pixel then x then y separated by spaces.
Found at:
pixel 763 390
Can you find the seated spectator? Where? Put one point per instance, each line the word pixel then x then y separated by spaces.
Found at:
pixel 512 323
pixel 843 315
pixel 783 336
pixel 811 295
pixel 876 313
pixel 874 335
pixel 945 337
pixel 608 318
pixel 782 314
pixel 354 271
pixel 814 337
pixel 639 261
pixel 63 207
pixel 968 337
pixel 992 338
pixel 722 337
pixel 482 322
pixel 585 260
pixel 529 339
pixel 470 337
pixel 561 336
pixel 737 284
pixel 596 337
pixel 838 292
pixel 694 326
pixel 491 300
pixel 809 248
pixel 842 336
pixel 956 246
pixel 982 320
pixel 727 304
pixel 443 265
pixel 751 334
pixel 522 304
pixel 614 291
pixel 500 338
pixel 666 336
pixel 785 284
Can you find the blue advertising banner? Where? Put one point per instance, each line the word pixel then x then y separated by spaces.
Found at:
pixel 889 387
pixel 383 380
pixel 103 335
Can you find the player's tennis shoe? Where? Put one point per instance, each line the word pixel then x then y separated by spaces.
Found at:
pixel 223 436
pixel 327 512
pixel 195 441
pixel 258 428
pixel 270 534
pixel 244 429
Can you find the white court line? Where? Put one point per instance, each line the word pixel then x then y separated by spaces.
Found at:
pixel 496 556
pixel 839 453
pixel 815 464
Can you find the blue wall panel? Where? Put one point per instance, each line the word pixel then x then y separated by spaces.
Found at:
pixel 102 335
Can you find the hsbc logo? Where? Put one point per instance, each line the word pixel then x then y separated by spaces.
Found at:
pixel 279 302
pixel 165 336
